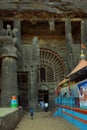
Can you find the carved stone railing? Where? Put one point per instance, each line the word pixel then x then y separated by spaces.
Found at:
pixel 54 6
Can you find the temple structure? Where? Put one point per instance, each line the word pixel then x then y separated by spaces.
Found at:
pixel 40 43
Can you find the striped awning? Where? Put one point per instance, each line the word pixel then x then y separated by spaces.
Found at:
pixel 81 65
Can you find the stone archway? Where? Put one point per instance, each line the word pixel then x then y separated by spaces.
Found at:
pixel 51 70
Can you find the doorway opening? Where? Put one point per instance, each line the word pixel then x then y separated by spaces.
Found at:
pixel 23 89
pixel 43 95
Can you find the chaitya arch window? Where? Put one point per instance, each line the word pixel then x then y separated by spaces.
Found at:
pixel 52 67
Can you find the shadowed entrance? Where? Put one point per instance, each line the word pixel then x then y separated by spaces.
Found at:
pixel 43 93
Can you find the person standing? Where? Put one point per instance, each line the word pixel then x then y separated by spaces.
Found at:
pixel 46 106
pixel 42 104
pixel 32 113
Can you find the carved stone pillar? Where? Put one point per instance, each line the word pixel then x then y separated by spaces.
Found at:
pixel 9 71
pixel 84 32
pixel 17 24
pixel 9 80
pixel 35 61
pixel 33 89
pixel 69 44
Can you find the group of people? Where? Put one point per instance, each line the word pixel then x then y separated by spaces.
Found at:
pixel 43 106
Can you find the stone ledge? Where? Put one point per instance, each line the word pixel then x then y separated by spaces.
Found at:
pixel 10 117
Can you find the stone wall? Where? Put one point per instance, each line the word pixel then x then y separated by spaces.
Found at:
pixel 10 121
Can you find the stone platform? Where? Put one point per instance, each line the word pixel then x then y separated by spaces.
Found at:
pixel 10 117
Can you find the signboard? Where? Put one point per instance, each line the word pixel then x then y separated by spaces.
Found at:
pixel 82 91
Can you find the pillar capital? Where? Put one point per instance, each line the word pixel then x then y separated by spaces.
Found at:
pixel 8 42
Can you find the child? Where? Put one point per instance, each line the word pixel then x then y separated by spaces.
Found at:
pixel 31 113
